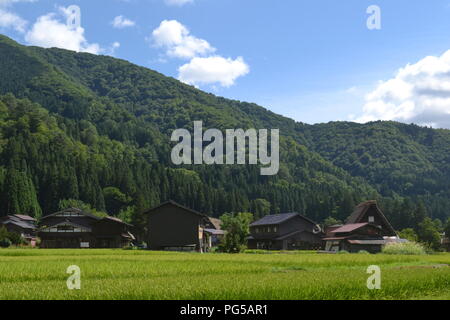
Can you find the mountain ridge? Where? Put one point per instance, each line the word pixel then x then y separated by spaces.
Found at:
pixel 100 100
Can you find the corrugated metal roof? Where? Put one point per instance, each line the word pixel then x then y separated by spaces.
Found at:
pixel 22 224
pixel 214 231
pixel 115 219
pixel 350 227
pixel 335 238
pixel 24 217
pixel 216 223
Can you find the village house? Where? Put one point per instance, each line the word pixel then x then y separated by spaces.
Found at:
pixel 75 228
pixel 370 212
pixel 366 229
pixel 446 242
pixel 20 224
pixel 172 226
pixel 287 231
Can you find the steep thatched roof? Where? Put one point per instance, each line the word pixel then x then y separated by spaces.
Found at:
pixel 361 209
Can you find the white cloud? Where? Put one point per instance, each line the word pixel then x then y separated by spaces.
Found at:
pixel 176 39
pixel 419 93
pixel 112 49
pixel 10 2
pixel 203 68
pixel 48 32
pixel 178 3
pixel 212 70
pixel 11 20
pixel 120 22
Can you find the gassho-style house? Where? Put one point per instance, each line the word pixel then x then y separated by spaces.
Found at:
pixel 366 229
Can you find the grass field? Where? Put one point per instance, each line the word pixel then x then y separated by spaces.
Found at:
pixel 122 274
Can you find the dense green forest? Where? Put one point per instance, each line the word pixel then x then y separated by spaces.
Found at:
pixel 94 131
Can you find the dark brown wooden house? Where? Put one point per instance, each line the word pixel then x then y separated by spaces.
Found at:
pixel 172 226
pixel 75 228
pixel 446 242
pixel 21 224
pixel 287 231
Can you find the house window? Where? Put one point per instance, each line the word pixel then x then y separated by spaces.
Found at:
pixel 275 229
pixel 371 219
pixel 65 228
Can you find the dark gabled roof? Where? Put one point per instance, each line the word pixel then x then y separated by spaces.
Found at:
pixel 274 219
pixel 75 210
pixel 87 214
pixel 171 202
pixel 362 208
pixel 279 218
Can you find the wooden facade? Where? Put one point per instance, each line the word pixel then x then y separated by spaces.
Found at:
pixel 74 228
pixel 446 243
pixel 288 231
pixel 172 226
pixel 355 237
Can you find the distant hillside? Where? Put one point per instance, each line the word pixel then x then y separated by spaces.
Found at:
pixel 96 129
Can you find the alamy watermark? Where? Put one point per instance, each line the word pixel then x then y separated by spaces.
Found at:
pixel 374 281
pixel 374 20
pixel 74 280
pixel 191 150
pixel 73 13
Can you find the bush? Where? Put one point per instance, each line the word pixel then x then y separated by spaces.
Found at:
pixel 16 239
pixel 408 248
pixel 237 228
pixel 343 252
pixel 5 243
pixel 363 252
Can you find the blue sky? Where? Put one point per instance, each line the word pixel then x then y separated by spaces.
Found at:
pixel 314 61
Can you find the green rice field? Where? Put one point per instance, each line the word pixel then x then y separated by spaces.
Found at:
pixel 132 274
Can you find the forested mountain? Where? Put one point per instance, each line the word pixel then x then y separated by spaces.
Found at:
pixel 79 127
